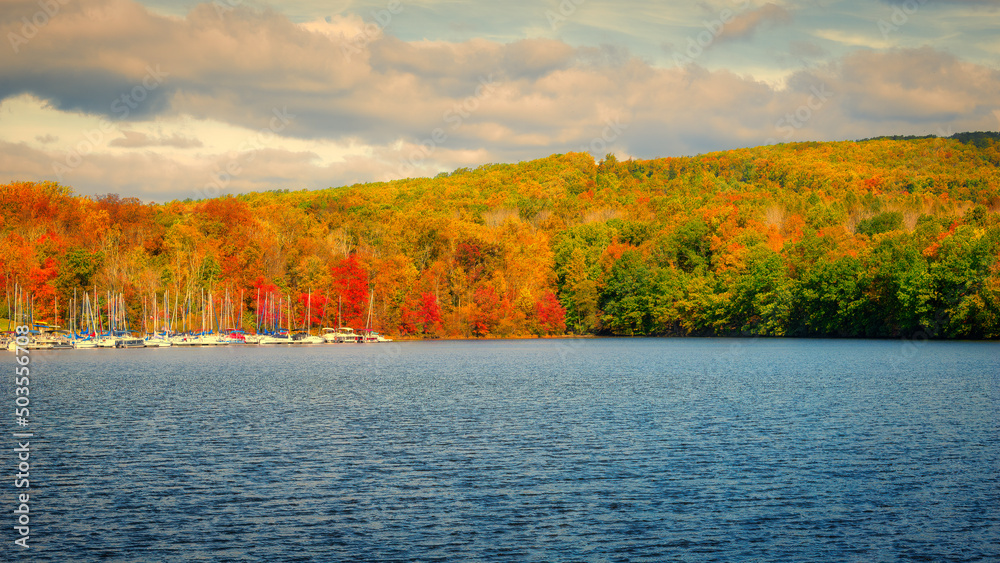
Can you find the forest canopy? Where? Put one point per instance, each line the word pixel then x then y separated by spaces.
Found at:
pixel 887 237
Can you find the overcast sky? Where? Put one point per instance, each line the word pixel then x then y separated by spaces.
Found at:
pixel 162 99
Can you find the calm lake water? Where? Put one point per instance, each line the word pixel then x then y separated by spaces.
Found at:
pixel 533 450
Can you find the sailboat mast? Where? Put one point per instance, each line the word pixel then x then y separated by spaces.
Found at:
pixel 371 301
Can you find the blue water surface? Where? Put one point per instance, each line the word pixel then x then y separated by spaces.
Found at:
pixel 530 450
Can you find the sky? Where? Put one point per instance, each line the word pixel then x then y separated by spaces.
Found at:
pixel 166 100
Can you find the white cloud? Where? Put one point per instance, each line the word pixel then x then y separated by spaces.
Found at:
pixel 853 39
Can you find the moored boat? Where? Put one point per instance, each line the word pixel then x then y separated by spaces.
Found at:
pixel 32 344
pixel 305 338
pixel 185 340
pixel 346 334
pixel 280 338
pixel 106 341
pixel 129 342
pixel 157 341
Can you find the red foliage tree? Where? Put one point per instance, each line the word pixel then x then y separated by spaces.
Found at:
pixel 428 316
pixel 314 305
pixel 407 320
pixel 486 313
pixel 350 284
pixel 551 314
pixel 42 290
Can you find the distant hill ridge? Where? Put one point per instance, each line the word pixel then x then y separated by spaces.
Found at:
pixel 883 237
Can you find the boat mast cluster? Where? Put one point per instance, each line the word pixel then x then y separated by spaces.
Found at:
pixel 200 319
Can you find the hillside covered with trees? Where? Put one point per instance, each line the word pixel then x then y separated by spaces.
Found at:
pixel 889 237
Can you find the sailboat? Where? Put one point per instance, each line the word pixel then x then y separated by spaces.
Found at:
pixel 124 339
pixel 277 335
pixel 158 340
pixel 90 341
pixel 105 339
pixel 368 335
pixel 186 337
pixel 209 336
pixel 306 336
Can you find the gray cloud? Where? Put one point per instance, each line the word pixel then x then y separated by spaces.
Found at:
pixel 913 85
pixel 135 139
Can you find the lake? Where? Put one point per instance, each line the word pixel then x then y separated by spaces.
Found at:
pixel 524 450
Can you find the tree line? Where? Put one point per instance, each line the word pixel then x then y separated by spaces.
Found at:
pixel 887 237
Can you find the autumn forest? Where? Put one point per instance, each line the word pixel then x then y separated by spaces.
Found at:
pixel 887 237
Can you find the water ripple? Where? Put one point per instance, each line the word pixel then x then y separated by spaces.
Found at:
pixel 590 450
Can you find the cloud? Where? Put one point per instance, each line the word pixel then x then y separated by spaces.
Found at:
pixel 745 24
pixel 395 108
pixel 913 85
pixel 853 39
pixel 134 139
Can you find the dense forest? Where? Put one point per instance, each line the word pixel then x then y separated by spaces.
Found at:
pixel 886 237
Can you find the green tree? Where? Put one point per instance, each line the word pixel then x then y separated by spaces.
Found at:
pixel 959 280
pixel 828 299
pixel 761 295
pixel 690 246
pixel 77 270
pixel 626 298
pixel 881 223
pixel 897 290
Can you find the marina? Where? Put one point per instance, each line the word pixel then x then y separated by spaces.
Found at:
pixel 42 339
pixel 89 329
